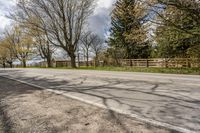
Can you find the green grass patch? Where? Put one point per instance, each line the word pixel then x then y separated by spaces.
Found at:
pixel 195 71
pixel 191 71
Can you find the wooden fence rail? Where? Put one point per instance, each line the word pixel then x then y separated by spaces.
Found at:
pixel 167 63
pixel 159 62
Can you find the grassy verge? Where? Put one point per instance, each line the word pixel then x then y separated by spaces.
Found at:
pixel 192 71
pixel 195 71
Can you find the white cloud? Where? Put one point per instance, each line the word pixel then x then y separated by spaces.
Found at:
pixel 5 7
pixel 99 22
pixel 4 21
pixel 105 3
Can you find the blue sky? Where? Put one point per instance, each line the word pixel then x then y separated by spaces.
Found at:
pixel 99 22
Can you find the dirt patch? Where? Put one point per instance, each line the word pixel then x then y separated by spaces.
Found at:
pixel 29 109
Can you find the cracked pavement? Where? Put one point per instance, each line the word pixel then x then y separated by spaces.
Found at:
pixel 165 98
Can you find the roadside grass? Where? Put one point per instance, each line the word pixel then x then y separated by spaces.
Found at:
pixel 189 71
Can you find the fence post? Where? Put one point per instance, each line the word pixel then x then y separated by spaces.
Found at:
pixel 131 64
pixel 147 65
pixel 166 63
pixel 188 63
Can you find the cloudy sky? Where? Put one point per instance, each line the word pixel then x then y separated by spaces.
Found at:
pixel 99 22
pixel 5 5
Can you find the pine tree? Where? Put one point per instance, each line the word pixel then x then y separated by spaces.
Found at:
pixel 127 31
pixel 178 36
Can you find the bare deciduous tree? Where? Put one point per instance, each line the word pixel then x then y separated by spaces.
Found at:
pixel 20 43
pixel 62 19
pixel 87 39
pixel 3 55
pixel 97 47
pixel 6 52
pixel 43 46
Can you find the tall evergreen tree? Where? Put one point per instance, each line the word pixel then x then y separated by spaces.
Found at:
pixel 127 31
pixel 179 33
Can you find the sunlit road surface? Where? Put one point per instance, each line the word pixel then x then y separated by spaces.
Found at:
pixel 169 100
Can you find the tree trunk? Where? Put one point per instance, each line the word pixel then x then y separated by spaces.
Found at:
pixel 87 63
pixel 96 61
pixel 4 65
pixel 73 60
pixel 49 63
pixel 11 65
pixel 24 63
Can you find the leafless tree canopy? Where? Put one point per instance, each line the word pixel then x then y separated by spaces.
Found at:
pixel 87 41
pixel 63 20
pixel 97 47
pixel 19 43
pixel 44 48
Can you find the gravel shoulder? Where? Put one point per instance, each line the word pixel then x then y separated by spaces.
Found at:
pixel 25 109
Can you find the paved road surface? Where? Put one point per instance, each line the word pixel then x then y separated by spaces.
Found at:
pixel 173 100
pixel 27 109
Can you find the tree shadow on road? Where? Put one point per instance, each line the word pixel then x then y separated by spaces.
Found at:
pixel 149 102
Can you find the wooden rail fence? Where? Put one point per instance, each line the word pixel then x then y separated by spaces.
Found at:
pixel 160 62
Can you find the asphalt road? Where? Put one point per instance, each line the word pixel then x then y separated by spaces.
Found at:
pixel 28 109
pixel 170 100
